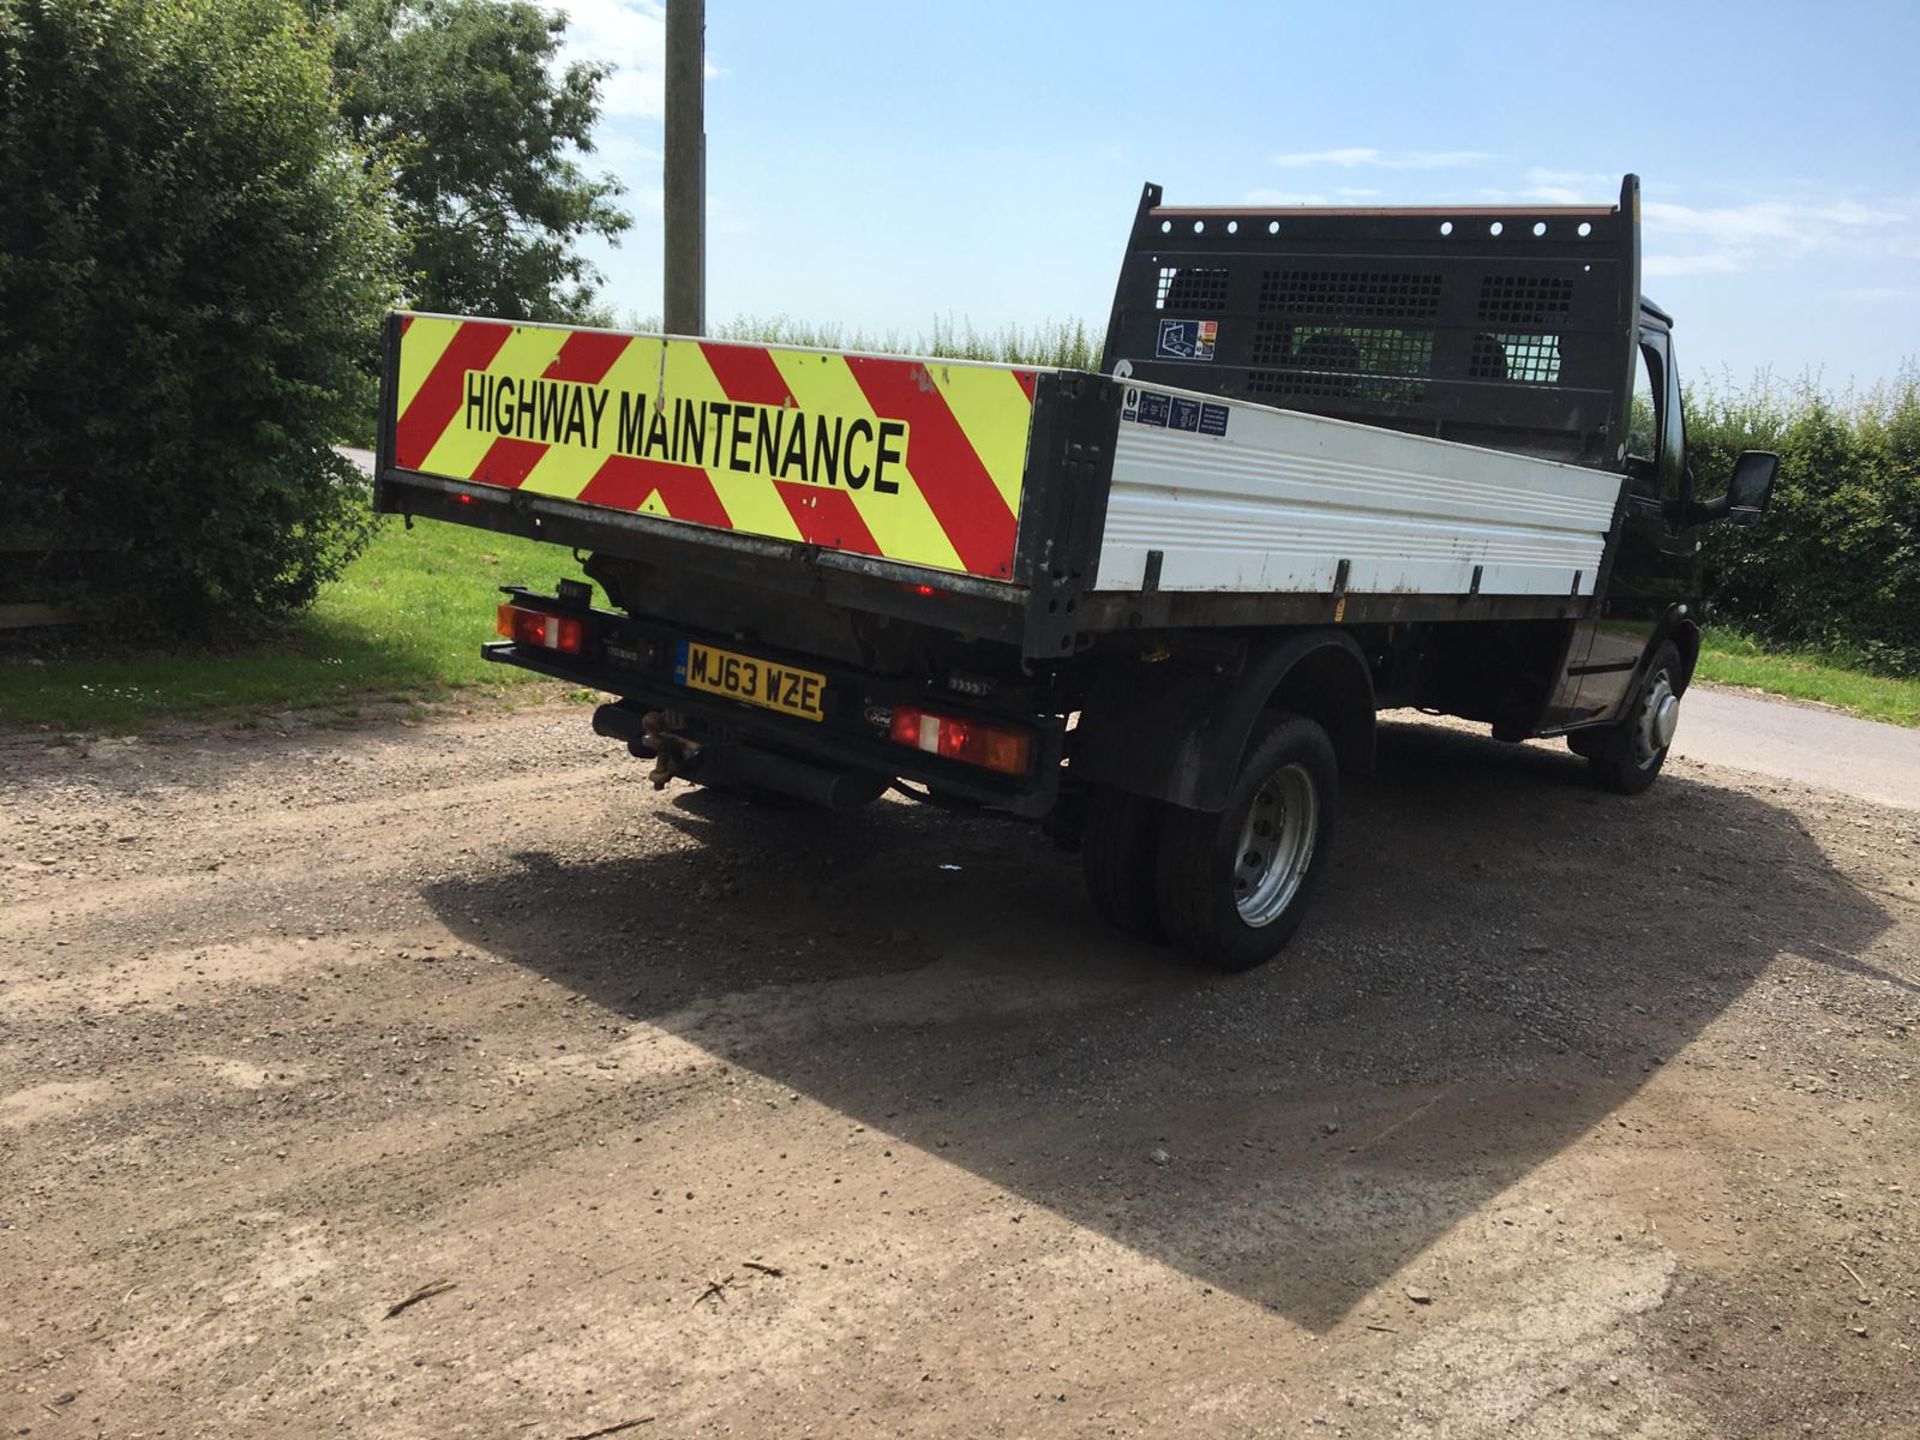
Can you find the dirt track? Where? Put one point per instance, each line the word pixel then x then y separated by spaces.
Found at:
pixel 1570 1116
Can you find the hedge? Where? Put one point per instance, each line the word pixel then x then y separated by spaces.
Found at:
pixel 1835 563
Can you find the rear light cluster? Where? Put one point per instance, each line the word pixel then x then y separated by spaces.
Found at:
pixel 972 742
pixel 566 633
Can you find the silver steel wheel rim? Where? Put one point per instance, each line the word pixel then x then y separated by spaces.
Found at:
pixel 1659 718
pixel 1276 846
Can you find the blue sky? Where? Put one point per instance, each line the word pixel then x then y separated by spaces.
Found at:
pixel 881 165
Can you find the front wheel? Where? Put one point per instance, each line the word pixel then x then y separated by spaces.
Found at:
pixel 1627 757
pixel 1233 886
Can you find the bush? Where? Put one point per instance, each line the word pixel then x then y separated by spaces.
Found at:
pixel 193 263
pixel 1835 564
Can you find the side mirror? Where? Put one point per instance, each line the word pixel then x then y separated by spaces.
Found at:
pixel 1747 491
pixel 1751 486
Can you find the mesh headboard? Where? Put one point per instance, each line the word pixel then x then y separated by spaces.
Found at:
pixel 1498 326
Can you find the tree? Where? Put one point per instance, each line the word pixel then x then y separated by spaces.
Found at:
pixel 193 263
pixel 465 98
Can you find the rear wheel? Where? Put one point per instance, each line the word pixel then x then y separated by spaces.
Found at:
pixel 1233 886
pixel 1628 758
pixel 1119 851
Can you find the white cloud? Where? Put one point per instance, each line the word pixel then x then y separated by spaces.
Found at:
pixel 1282 197
pixel 1724 239
pixel 1593 185
pixel 1341 195
pixel 635 163
pixel 1729 238
pixel 1878 294
pixel 1793 224
pixel 631 36
pixel 1657 267
pixel 1354 157
pixel 1557 195
pixel 1558 187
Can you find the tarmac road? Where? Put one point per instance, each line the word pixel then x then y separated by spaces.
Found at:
pixel 1819 747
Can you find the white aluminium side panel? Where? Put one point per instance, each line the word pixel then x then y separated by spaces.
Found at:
pixel 1244 497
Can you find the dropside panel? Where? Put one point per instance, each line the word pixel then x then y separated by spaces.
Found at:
pixel 1246 498
pixel 916 461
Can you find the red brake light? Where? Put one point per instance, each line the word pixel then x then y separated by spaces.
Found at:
pixel 958 739
pixel 972 742
pixel 905 728
pixel 566 633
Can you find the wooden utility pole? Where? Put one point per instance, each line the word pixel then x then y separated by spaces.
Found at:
pixel 685 193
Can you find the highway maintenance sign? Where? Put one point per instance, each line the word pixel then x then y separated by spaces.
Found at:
pixel 918 461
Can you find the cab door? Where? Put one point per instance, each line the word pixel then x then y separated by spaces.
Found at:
pixel 1656 564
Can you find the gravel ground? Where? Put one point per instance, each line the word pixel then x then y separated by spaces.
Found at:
pixel 1566 1115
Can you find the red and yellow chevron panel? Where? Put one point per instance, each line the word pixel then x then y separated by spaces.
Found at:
pixel 916 461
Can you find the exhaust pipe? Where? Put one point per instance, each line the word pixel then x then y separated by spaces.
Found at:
pixel 617 722
pixel 742 766
pixel 739 766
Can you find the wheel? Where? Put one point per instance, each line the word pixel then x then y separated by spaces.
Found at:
pixel 1233 886
pixel 1628 757
pixel 1119 851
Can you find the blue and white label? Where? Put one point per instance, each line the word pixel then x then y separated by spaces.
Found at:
pixel 1186 339
pixel 1173 412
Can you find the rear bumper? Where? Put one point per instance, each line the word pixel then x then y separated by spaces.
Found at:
pixel 633 663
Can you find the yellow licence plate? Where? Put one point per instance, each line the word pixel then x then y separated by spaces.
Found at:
pixel 766 683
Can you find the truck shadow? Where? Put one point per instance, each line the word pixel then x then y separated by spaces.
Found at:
pixel 1503 956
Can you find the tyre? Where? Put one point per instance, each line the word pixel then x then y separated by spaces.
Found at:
pixel 1589 742
pixel 1233 886
pixel 1119 852
pixel 1628 759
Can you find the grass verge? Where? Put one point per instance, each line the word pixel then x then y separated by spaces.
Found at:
pixel 1732 659
pixel 406 621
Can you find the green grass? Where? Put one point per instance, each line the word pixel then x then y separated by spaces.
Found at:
pixel 1733 659
pixel 404 623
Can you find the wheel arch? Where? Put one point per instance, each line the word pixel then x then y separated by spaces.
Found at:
pixel 1678 629
pixel 1685 635
pixel 1178 734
